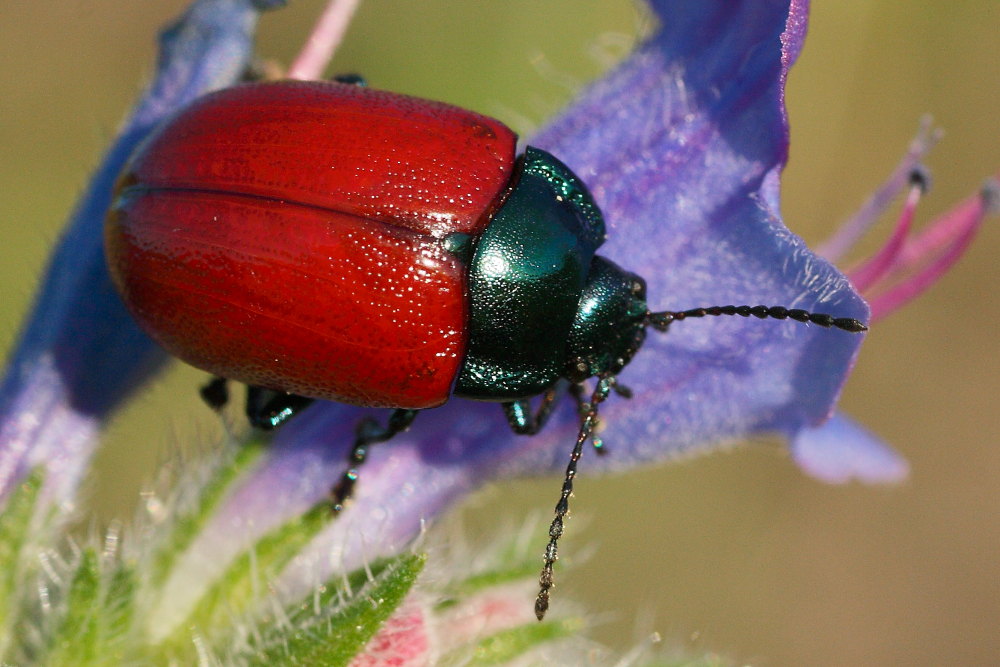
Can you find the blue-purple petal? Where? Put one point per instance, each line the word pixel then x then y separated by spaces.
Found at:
pixel 80 353
pixel 841 451
pixel 682 146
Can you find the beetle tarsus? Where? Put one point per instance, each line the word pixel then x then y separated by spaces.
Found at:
pixel 215 393
pixel 368 432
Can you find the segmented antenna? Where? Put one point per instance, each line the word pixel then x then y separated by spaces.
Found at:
pixel 660 321
pixel 587 423
pixel 606 383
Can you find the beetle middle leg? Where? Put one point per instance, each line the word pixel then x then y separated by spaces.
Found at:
pixel 525 422
pixel 268 409
pixel 368 433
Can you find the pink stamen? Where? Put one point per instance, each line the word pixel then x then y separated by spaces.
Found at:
pixel 845 238
pixel 872 270
pixel 946 228
pixel 961 225
pixel 324 40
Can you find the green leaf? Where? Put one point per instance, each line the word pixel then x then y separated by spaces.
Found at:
pixel 244 583
pixel 510 563
pixel 513 572
pixel 184 528
pixel 502 647
pixel 15 524
pixel 335 591
pixel 118 606
pixel 335 637
pixel 76 640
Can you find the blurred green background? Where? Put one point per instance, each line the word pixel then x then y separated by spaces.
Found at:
pixel 736 552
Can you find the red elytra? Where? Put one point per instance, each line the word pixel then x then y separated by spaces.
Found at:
pixel 310 218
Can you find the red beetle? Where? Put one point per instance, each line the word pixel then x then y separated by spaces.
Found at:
pixel 327 241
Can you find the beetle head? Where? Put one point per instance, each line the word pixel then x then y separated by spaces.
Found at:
pixel 610 323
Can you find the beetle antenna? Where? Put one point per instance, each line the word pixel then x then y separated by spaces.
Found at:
pixel 660 321
pixel 588 421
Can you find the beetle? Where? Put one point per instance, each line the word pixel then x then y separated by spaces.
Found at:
pixel 323 240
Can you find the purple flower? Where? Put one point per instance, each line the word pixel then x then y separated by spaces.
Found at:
pixel 682 145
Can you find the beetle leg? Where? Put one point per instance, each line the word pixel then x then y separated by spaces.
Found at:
pixel 268 409
pixel 352 79
pixel 522 421
pixel 368 432
pixel 215 393
pixel 621 390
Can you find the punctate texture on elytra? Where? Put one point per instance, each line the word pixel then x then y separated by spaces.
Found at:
pixel 294 236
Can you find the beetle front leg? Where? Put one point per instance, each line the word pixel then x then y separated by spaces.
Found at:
pixel 522 421
pixel 583 409
pixel 368 432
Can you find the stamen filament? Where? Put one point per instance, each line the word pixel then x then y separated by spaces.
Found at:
pixel 949 226
pixel 851 231
pixel 961 223
pixel 886 259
